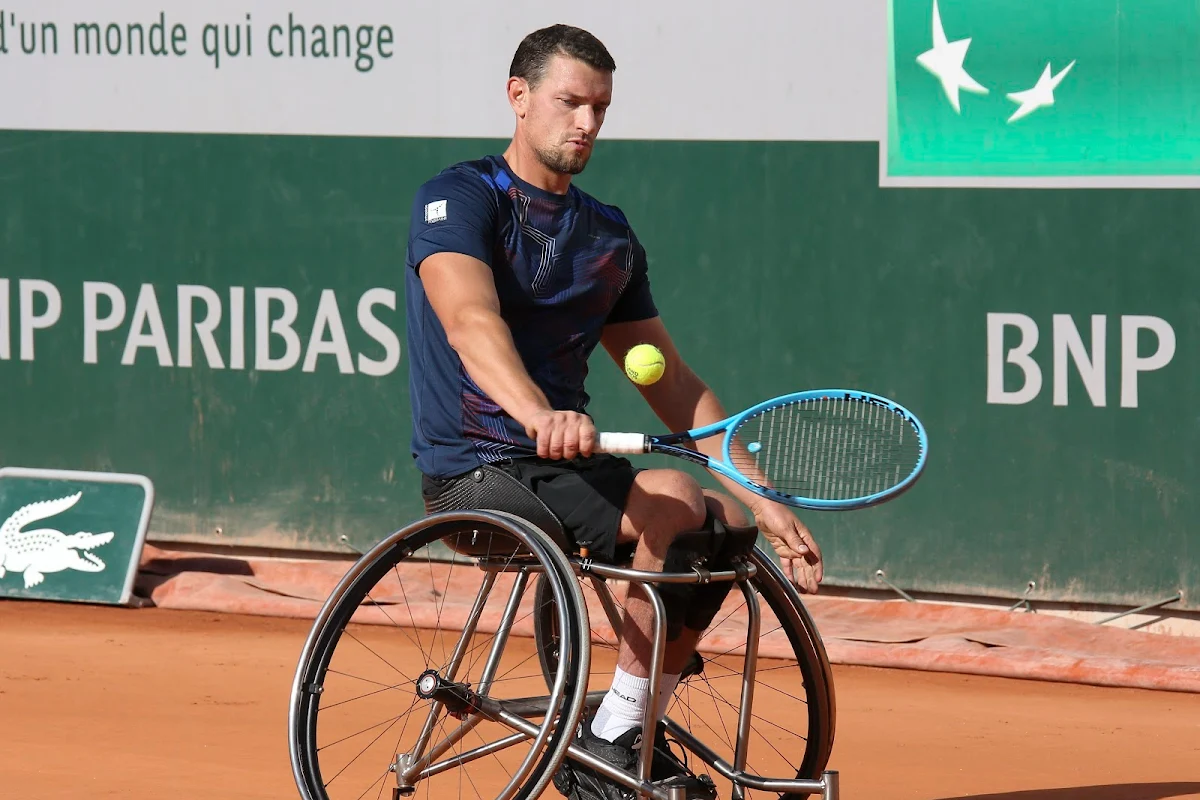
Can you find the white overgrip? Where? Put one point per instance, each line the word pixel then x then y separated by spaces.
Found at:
pixel 623 443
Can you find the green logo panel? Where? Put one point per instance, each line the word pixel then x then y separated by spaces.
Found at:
pixel 71 535
pixel 1051 89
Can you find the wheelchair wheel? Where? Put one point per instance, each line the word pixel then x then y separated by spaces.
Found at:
pixel 409 683
pixel 792 726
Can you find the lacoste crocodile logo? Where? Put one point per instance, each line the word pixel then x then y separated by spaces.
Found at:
pixel 37 552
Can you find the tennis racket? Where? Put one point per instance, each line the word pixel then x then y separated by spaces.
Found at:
pixel 829 449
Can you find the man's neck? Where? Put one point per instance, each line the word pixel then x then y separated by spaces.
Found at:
pixel 526 165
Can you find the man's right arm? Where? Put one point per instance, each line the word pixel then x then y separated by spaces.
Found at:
pixel 462 293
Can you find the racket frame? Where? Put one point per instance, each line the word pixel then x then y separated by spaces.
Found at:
pixel 672 444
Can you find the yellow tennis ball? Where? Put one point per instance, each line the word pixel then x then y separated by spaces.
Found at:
pixel 644 364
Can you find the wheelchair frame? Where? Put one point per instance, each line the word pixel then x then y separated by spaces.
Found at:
pixel 472 705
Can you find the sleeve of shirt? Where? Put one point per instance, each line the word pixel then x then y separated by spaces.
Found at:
pixel 454 212
pixel 636 303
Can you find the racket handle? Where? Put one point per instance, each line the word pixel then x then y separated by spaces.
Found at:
pixel 623 443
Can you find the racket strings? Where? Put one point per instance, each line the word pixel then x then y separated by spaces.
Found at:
pixel 826 449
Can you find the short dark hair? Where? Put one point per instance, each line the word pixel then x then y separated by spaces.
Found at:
pixel 535 51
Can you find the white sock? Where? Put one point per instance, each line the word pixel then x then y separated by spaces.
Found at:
pixel 623 708
pixel 666 689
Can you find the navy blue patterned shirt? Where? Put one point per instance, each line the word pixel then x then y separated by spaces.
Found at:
pixel 564 266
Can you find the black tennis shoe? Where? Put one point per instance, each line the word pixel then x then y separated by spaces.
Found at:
pixel 577 782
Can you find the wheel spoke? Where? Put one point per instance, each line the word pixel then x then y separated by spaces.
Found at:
pixel 339 749
pixel 355 750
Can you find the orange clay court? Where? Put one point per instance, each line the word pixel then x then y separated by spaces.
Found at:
pixel 102 702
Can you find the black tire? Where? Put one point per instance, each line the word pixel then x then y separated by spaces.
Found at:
pixel 555 579
pixel 810 655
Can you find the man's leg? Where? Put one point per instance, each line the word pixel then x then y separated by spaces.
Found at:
pixel 729 512
pixel 661 505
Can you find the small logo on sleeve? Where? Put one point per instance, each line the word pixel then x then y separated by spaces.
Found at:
pixel 435 211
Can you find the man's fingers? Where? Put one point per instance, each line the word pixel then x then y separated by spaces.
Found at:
pixel 782 546
pixel 811 542
pixel 587 437
pixel 803 535
pixel 816 566
pixel 808 578
pixel 795 546
pixel 571 441
pixel 556 441
pixel 562 434
pixel 812 564
pixel 797 542
pixel 579 435
pixel 783 550
pixel 801 574
pixel 539 431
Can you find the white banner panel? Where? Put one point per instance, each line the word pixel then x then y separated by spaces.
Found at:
pixel 782 70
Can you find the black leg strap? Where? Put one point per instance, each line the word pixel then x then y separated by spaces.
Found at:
pixel 713 548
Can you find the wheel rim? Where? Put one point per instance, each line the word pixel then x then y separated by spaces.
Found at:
pixel 313 736
pixel 717 688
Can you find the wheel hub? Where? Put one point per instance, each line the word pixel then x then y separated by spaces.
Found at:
pixel 458 698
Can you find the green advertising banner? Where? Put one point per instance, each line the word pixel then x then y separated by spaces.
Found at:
pixel 208 289
pixel 1064 89
pixel 225 314
pixel 72 535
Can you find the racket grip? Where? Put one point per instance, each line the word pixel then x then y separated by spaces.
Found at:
pixel 622 443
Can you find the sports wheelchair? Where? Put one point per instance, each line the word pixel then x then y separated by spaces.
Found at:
pixel 458 656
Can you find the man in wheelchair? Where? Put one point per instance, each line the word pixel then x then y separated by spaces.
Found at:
pixel 514 276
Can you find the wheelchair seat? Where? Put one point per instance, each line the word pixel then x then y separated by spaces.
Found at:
pixel 488 488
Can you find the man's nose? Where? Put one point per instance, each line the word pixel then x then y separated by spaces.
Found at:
pixel 587 120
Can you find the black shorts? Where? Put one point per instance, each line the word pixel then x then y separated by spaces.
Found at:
pixel 588 496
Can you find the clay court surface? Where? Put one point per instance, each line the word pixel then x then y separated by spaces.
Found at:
pixel 104 702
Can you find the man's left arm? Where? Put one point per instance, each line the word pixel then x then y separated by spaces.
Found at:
pixel 684 402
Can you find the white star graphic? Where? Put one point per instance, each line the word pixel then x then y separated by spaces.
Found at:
pixel 945 61
pixel 1041 95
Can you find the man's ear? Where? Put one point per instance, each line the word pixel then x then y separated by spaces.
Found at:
pixel 518 95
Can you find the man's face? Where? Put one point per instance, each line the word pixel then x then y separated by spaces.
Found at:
pixel 564 113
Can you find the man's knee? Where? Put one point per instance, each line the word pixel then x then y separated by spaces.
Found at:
pixel 726 509
pixel 663 503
